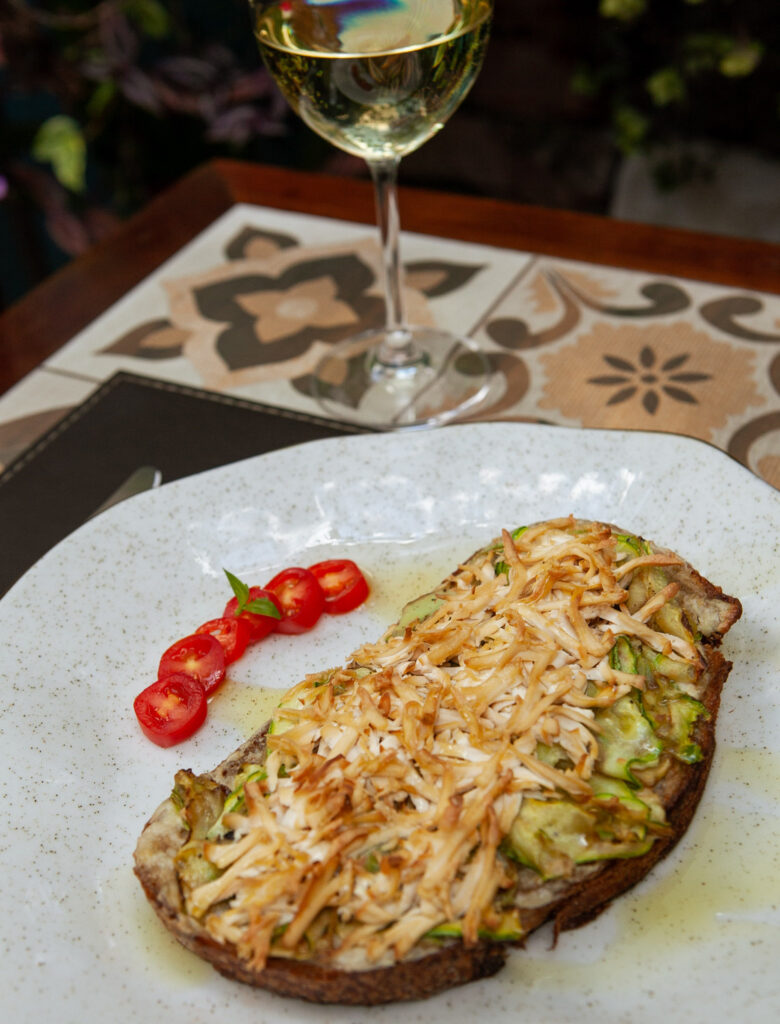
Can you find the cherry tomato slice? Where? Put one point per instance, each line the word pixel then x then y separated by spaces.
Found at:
pixel 343 584
pixel 259 625
pixel 300 597
pixel 200 656
pixel 231 632
pixel 171 709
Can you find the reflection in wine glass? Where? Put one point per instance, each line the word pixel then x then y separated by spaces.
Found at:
pixel 377 78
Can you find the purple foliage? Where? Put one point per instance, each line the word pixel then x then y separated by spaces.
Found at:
pixel 98 62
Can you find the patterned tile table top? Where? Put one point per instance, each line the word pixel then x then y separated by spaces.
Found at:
pixel 250 306
pixel 600 347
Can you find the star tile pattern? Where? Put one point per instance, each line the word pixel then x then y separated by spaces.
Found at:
pixel 252 306
pixel 604 347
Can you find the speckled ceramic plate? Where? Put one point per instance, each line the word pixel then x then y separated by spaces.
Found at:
pixel 83 630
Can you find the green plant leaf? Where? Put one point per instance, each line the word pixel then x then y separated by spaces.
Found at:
pixel 622 10
pixel 584 83
pixel 239 588
pixel 703 50
pixel 101 98
pixel 666 86
pixel 742 59
pixel 60 142
pixel 263 606
pixel 631 127
pixel 258 606
pixel 150 16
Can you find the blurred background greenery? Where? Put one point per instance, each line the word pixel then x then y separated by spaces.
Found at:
pixel 103 104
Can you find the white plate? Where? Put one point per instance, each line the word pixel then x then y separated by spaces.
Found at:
pixel 82 632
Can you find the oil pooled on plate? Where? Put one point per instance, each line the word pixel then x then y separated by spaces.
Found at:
pixel 723 883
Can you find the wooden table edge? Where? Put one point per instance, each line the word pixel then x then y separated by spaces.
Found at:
pixel 717 259
pixel 62 305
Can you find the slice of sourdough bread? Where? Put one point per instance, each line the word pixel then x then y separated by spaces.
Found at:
pixel 522 746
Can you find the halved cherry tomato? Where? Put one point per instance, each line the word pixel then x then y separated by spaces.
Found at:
pixel 200 656
pixel 343 584
pixel 259 625
pixel 300 597
pixel 231 632
pixel 171 709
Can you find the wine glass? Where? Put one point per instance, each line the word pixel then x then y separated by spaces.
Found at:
pixel 377 78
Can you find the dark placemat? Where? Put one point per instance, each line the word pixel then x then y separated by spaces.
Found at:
pixel 130 421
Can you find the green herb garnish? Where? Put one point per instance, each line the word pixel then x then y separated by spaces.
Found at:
pixel 257 606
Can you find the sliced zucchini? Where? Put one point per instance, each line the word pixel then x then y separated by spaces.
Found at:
pixel 371 863
pixel 670 618
pixel 298 697
pixel 606 788
pixel 506 929
pixel 192 867
pixel 277 725
pixel 626 738
pixel 674 716
pixel 643 804
pixel 552 836
pixel 416 611
pixel 199 800
pixel 234 802
pixel 445 930
pixel 627 546
pixel 638 591
pixel 553 755
pixel 623 657
pixel 653 665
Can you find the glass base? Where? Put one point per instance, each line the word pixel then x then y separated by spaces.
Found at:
pixel 434 378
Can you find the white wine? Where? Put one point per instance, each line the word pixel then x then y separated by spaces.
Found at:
pixel 374 77
pixel 377 78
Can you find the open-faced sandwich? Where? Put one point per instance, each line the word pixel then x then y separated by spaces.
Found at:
pixel 522 745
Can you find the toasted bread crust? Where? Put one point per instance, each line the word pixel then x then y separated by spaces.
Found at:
pixel 453 965
pixel 581 900
pixel 409 979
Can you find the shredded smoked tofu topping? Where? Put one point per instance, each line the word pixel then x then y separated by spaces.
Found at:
pixel 390 784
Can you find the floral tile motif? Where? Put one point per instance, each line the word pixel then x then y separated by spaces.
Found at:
pixel 253 321
pixel 274 319
pixel 601 347
pixel 251 309
pixel 252 304
pixel 669 372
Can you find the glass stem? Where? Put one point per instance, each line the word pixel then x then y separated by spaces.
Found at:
pixel 397 348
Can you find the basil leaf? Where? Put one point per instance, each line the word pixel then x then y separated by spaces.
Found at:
pixel 263 606
pixel 239 588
